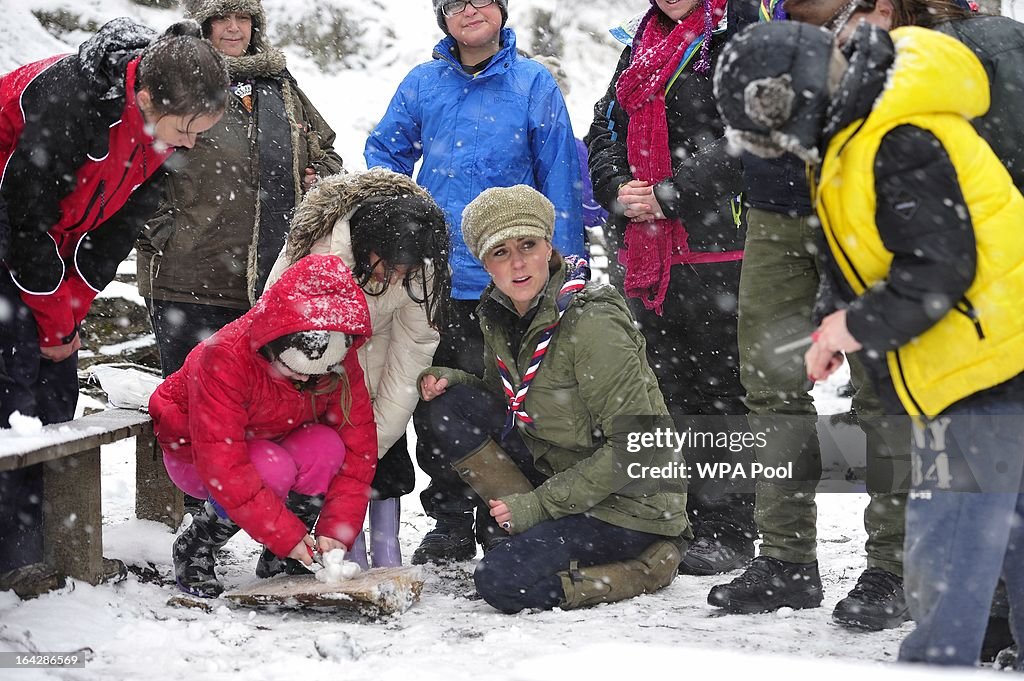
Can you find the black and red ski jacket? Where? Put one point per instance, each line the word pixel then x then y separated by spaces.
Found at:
pixel 79 174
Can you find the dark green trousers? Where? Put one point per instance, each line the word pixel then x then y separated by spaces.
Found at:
pixel 778 285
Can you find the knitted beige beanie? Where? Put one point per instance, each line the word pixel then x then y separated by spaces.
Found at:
pixel 502 213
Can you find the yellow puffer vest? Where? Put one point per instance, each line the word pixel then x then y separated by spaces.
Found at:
pixel 938 85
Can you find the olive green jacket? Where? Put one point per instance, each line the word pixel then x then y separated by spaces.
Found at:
pixel 594 387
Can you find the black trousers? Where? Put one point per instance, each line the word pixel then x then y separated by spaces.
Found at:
pixel 461 347
pixel 32 386
pixel 694 352
pixel 179 327
pixel 459 422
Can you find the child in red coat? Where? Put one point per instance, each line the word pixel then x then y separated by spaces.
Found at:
pixel 272 404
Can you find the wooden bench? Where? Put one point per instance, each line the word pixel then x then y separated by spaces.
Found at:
pixel 70 456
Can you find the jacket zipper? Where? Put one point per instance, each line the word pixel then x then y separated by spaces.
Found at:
pixel 96 196
pixel 965 307
pixel 839 245
pixel 103 184
pixel 906 386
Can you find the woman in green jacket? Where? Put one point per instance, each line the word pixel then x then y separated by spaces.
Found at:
pixel 567 391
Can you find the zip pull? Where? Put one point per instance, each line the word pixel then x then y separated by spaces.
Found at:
pixel 966 308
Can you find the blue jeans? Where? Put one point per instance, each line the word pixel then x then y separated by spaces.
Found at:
pixel 523 572
pixel 958 543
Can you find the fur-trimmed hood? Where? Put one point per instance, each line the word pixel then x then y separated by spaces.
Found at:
pixel 335 198
pixel 262 58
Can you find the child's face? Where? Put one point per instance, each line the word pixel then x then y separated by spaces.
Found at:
pixel 476 26
pixel 380 268
pixel 282 370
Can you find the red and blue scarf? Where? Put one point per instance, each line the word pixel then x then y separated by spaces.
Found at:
pixel 577 275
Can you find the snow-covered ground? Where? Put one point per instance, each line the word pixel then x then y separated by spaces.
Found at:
pixel 450 635
pixel 132 632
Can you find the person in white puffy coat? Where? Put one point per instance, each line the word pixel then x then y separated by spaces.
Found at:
pixel 393 237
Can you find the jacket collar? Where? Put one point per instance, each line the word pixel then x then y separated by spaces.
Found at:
pixel 871 55
pixel 547 312
pixel 502 60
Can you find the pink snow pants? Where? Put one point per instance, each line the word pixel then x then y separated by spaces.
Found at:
pixel 305 461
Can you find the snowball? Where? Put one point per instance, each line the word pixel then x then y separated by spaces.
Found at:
pixel 336 568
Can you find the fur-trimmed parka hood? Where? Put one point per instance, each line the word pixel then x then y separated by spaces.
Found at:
pixel 262 59
pixel 335 198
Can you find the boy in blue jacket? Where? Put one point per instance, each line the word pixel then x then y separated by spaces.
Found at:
pixel 479 116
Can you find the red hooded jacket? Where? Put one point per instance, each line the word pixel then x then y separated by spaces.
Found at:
pixel 227 393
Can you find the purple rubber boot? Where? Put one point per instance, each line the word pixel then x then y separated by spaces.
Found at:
pixel 358 552
pixel 385 550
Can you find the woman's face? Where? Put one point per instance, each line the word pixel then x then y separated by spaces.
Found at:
pixel 519 268
pixel 677 10
pixel 173 131
pixel 231 33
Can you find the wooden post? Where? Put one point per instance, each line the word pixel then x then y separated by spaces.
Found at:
pixel 73 517
pixel 156 497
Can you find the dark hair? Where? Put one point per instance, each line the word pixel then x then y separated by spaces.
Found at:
pixel 407 231
pixel 184 74
pixel 929 13
pixel 556 261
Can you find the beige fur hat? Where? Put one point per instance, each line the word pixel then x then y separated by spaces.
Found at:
pixel 501 213
pixel 204 10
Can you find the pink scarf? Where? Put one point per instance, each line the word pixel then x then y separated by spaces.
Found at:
pixel 657 53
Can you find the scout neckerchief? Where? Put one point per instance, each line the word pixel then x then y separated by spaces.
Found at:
pixel 577 274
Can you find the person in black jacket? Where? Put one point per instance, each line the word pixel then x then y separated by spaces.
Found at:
pixel 999 43
pixel 104 120
pixel 920 219
pixel 778 286
pixel 660 167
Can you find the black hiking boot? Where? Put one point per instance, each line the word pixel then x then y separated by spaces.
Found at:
pixel 769 584
pixel 875 603
pixel 488 535
pixel 307 509
pixel 710 556
pixel 194 551
pixel 451 540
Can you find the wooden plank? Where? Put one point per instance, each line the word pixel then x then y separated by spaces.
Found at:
pixel 73 517
pixel 376 592
pixel 156 497
pixel 65 439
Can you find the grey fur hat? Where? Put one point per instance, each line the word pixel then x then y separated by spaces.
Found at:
pixel 502 5
pixel 772 88
pixel 203 10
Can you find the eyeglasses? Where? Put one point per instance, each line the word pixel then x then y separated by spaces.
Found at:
pixel 450 9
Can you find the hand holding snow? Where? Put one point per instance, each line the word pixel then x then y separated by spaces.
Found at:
pixel 336 568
